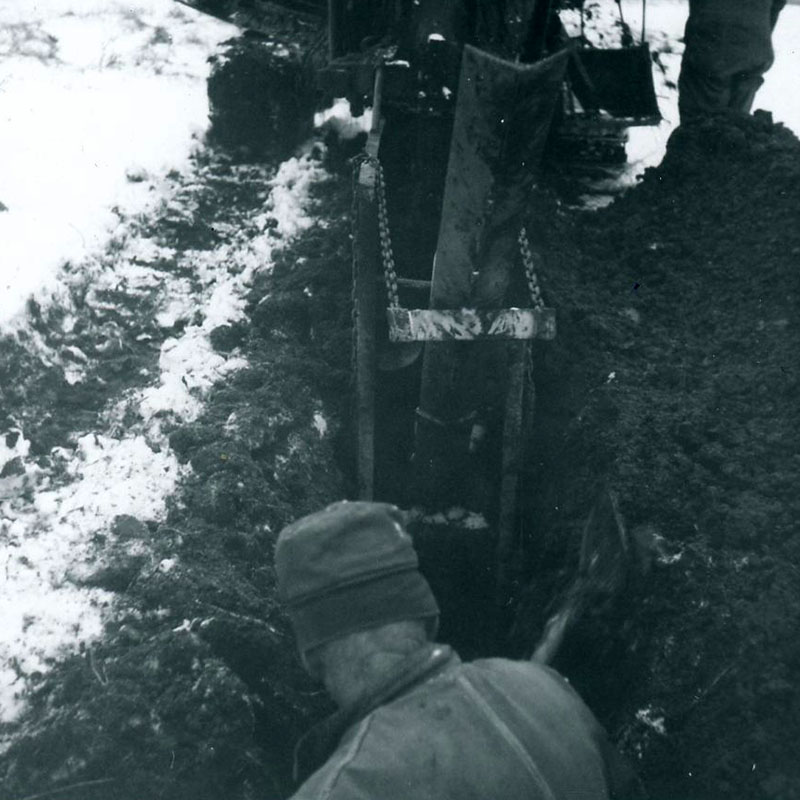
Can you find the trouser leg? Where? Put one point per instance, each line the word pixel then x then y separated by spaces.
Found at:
pixel 744 86
pixel 777 5
pixel 701 92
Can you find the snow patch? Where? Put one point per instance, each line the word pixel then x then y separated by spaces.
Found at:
pixel 167 565
pixel 339 117
pixel 112 477
pixel 188 366
pixel 321 424
pixel 47 540
pixel 289 199
pixel 652 719
pixel 74 84
pixel 48 536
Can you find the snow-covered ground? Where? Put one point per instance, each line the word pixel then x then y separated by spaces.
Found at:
pixel 99 101
pixel 101 109
pixel 51 516
pixel 94 96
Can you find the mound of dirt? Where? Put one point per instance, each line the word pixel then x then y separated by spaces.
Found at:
pixel 261 97
pixel 673 381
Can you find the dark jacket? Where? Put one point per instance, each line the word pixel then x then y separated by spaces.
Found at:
pixel 488 730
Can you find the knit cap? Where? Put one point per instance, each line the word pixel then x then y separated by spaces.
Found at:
pixel 347 568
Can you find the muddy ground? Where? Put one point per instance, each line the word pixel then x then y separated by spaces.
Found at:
pixel 672 381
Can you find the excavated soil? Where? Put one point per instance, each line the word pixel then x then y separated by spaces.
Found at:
pixel 672 381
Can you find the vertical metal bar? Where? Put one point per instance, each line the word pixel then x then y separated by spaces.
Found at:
pixel 512 461
pixel 644 20
pixel 538 24
pixel 333 29
pixel 377 100
pixel 366 259
pixel 366 267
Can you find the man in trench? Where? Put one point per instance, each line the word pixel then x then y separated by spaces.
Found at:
pixel 728 50
pixel 414 721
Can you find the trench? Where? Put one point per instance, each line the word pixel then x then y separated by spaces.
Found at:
pixel 458 549
pixel 457 560
pixel 454 524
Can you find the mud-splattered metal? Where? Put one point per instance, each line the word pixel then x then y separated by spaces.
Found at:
pixel 469 324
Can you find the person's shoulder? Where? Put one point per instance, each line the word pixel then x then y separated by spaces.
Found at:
pixel 457 728
pixel 518 670
pixel 382 755
pixel 331 781
pixel 398 738
pixel 527 684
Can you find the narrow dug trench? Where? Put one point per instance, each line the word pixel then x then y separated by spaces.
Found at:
pixel 672 382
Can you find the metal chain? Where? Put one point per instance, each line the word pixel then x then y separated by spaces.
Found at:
pixel 530 269
pixel 387 253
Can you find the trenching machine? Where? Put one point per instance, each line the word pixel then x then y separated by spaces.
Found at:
pixel 466 95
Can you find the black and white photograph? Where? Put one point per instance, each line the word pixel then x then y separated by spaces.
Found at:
pixel 399 399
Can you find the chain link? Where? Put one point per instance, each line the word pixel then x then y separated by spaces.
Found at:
pixel 530 269
pixel 387 253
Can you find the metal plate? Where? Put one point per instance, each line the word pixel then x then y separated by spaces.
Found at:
pixel 469 324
